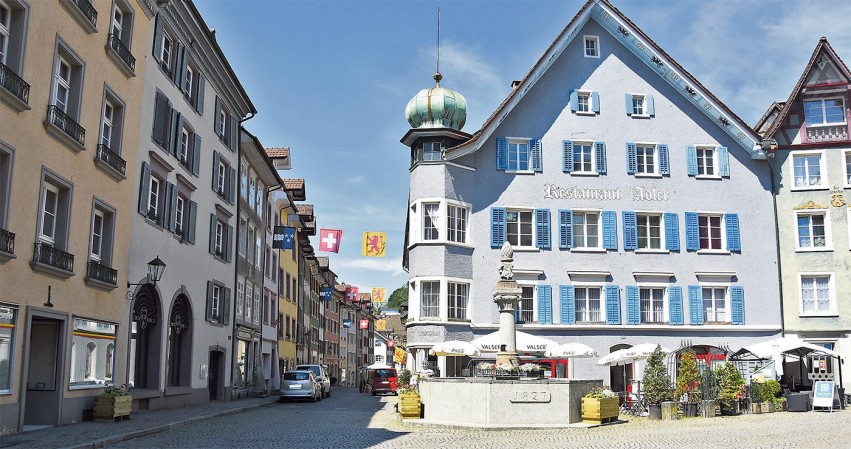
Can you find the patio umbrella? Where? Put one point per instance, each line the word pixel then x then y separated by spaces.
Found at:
pixel 525 343
pixel 455 348
pixel 571 350
pixel 643 351
pixel 615 358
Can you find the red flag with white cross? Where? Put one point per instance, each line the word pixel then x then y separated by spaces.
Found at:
pixel 329 240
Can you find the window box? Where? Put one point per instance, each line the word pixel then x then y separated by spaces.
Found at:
pixel 65 129
pixel 84 13
pixel 16 91
pixel 121 56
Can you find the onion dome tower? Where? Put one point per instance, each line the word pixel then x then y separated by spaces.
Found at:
pixel 437 107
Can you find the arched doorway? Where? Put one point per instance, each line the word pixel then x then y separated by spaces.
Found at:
pixel 145 343
pixel 179 361
pixel 620 376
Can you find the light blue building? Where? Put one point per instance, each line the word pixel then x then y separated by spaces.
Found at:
pixel 638 205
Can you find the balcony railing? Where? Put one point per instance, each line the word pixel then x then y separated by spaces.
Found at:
pixel 48 255
pixel 123 52
pixel 832 133
pixel 67 124
pixel 88 10
pixel 102 273
pixel 14 83
pixel 7 241
pixel 111 158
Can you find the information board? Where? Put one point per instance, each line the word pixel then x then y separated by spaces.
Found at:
pixel 823 393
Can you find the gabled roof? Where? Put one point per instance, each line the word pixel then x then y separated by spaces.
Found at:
pixel 823 45
pixel 278 152
pixel 767 120
pixel 296 188
pixel 620 26
pixel 305 210
pixel 323 261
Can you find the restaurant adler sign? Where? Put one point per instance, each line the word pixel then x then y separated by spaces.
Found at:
pixel 637 193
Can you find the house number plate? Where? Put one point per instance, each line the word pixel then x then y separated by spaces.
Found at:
pixel 530 396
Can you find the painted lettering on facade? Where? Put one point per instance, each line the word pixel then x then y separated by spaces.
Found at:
pixel 576 193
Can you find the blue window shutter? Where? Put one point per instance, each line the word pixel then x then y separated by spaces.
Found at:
pixel 542 228
pixel 600 150
pixel 567 156
pixel 691 156
pixel 723 162
pixel 199 99
pixel 501 154
pixel 215 180
pixel 692 232
pixel 633 305
pixel 595 101
pixel 610 229
pixel 675 305
pixel 565 229
pixel 628 103
pixel 517 315
pixel 144 189
pixel 537 162
pixel 196 155
pixel 613 304
pixel 672 232
pixel 213 221
pixel 648 103
pixel 545 304
pixel 217 123
pixel 568 304
pixel 664 166
pixel 158 39
pixel 631 159
pixel 734 243
pixel 630 230
pixel 695 304
pixel 497 227
pixel 574 100
pixel 737 304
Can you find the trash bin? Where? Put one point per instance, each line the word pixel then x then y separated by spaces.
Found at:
pixel 798 402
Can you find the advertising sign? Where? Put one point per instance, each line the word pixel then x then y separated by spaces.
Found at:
pixel 823 393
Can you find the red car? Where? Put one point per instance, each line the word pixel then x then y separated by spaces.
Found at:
pixel 382 380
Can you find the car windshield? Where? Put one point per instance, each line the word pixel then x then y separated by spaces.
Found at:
pixel 296 376
pixel 385 373
pixel 315 369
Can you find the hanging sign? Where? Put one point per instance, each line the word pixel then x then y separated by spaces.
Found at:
pixel 347 323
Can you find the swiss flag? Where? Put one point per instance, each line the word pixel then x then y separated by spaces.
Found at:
pixel 351 294
pixel 329 240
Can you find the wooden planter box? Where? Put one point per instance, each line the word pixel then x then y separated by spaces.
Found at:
pixel 599 410
pixel 113 408
pixel 756 408
pixel 767 407
pixel 409 405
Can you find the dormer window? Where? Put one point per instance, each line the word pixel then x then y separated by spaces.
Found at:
pixel 826 111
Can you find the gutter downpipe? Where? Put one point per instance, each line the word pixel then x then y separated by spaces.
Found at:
pixel 770 158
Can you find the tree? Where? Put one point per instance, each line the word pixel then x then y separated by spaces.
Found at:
pixel 688 378
pixel 657 382
pixel 397 298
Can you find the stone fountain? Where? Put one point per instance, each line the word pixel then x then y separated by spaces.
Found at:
pixel 507 297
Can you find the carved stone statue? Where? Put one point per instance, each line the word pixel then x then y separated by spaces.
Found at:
pixel 506 271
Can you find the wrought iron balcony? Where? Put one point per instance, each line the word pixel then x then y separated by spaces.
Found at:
pixel 111 158
pixel 123 52
pixel 56 258
pixel 152 215
pixel 102 273
pixel 7 241
pixel 63 121
pixel 14 83
pixel 88 10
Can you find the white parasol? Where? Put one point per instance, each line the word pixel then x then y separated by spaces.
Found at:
pixel 455 348
pixel 571 350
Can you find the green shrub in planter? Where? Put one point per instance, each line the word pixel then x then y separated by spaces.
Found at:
pixel 732 388
pixel 770 390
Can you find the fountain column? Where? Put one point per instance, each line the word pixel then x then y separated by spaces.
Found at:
pixel 507 298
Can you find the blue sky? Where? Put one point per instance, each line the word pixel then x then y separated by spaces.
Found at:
pixel 331 79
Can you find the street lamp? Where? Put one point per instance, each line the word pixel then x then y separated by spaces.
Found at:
pixel 156 268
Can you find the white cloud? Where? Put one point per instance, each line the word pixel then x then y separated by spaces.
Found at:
pixel 383 265
pixel 355 180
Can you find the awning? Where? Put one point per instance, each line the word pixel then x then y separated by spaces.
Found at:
pixel 526 343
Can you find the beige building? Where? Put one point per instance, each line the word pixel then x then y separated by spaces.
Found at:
pixel 71 98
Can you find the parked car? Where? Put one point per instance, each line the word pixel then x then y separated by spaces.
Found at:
pixel 300 385
pixel 382 380
pixel 321 376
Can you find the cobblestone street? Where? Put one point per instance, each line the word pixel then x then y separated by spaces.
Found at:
pixel 349 419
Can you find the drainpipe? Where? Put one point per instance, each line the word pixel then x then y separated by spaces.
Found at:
pixel 772 145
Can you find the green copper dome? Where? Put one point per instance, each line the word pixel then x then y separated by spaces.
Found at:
pixel 437 108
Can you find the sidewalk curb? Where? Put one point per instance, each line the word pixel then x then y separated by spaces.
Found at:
pixel 103 442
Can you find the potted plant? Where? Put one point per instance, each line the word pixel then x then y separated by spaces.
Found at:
pixel 600 405
pixel 409 396
pixel 769 394
pixel 688 384
pixel 755 395
pixel 732 388
pixel 113 403
pixel 709 392
pixel 780 405
pixel 657 383
pixel 532 370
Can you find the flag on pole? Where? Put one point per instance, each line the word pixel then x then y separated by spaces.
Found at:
pixel 374 244
pixel 326 293
pixel 329 240
pixel 381 325
pixel 351 294
pixel 378 295
pixel 283 237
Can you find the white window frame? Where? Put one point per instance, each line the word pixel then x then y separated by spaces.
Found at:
pixel 713 159
pixel 573 224
pixel 828 240
pixel 588 96
pixel 240 297
pixel 190 79
pixel 832 310
pixel 643 112
pixel 596 44
pixel 590 285
pixel 258 253
pixel 824 182
pixel 117 21
pixel 96 248
pixel 166 54
pixel 444 233
pixel 221 176
pixel 723 229
pixel 662 235
pixel 183 148
pixel 847 164
pixel 534 311
pixel 655 155
pixel 581 144
pixel 216 305
pixel 243 179
pixel 519 210
pixel 517 143
pixel 59 81
pixel 665 309
pixel 106 128
pixel 46 238
pixel 457 296
pixel 432 153
pixel 220 238
pixel 823 115
pixel 462 216
pixel 178 214
pixel 430 233
pixel 727 301
pixel 5 32
pixel 154 196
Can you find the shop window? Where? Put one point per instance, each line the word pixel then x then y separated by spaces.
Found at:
pixel 93 345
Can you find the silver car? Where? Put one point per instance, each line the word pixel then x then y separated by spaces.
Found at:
pixel 321 376
pixel 300 385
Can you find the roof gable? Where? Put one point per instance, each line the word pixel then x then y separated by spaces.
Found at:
pixel 628 34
